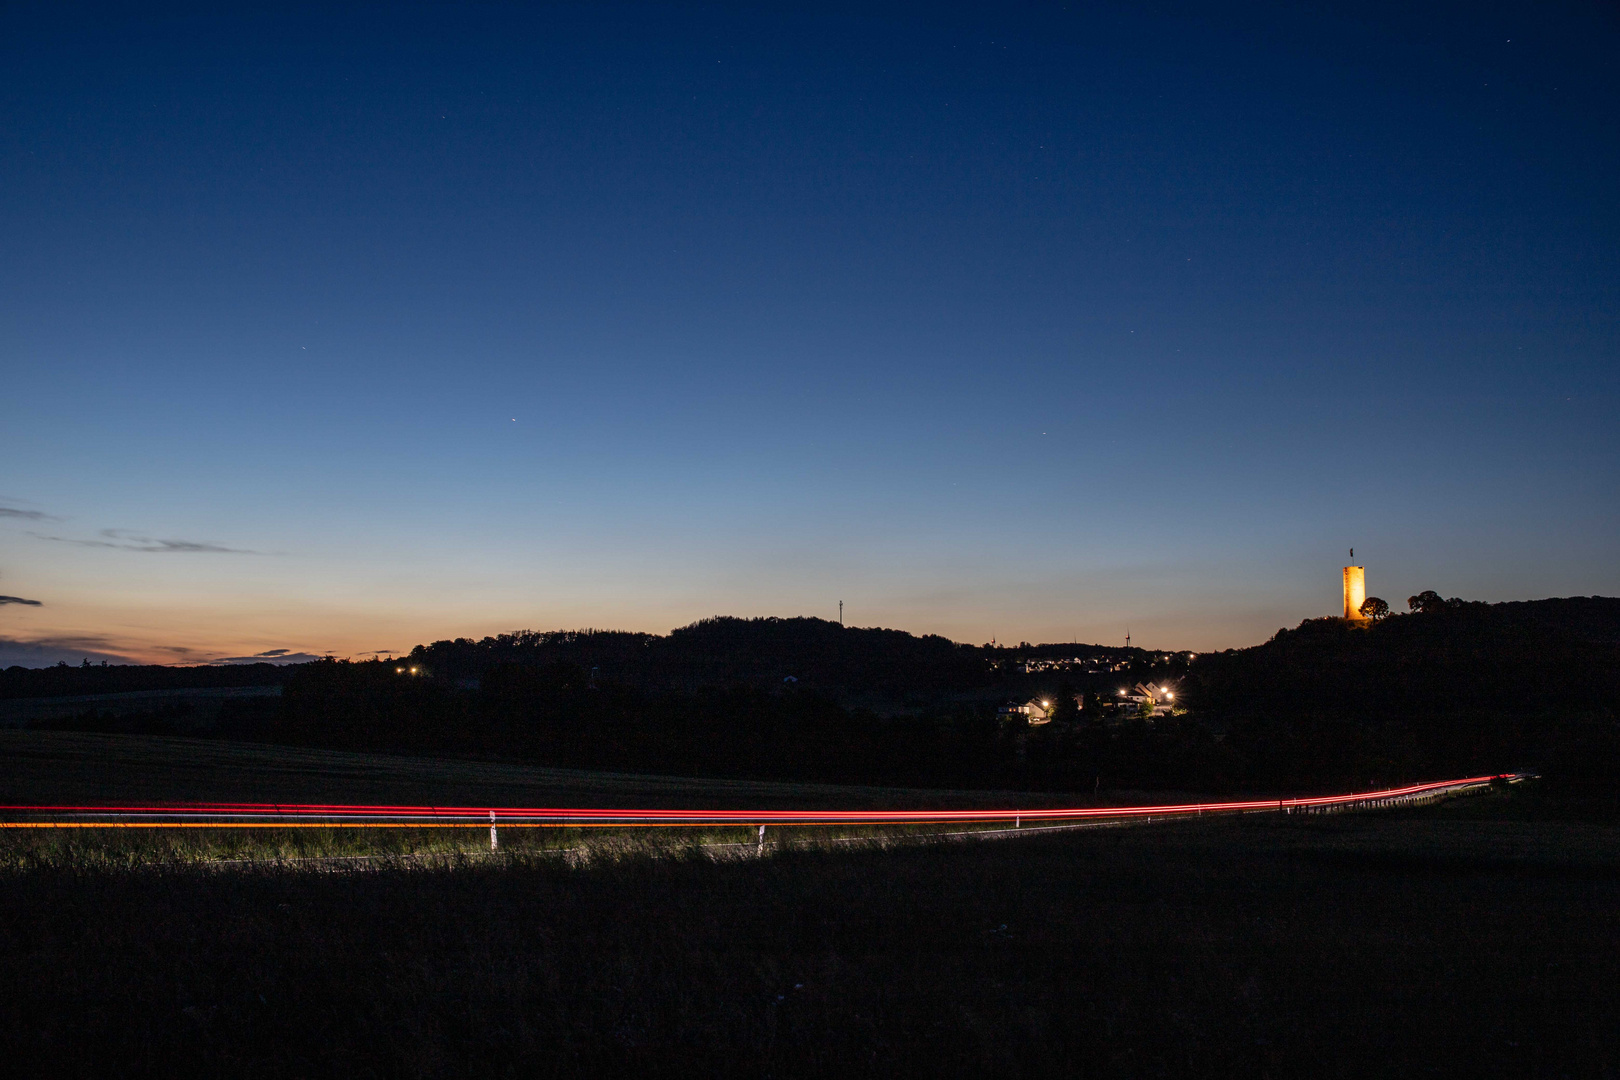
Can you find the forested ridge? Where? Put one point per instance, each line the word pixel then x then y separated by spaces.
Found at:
pixel 1450 687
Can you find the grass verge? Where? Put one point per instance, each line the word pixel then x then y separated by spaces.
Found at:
pixel 1439 941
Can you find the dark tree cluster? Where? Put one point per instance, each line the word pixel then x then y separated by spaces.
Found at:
pixel 1375 608
pixel 760 652
pixel 1452 687
pixel 64 679
pixel 558 714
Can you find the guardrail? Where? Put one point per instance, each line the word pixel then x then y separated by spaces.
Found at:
pixel 228 815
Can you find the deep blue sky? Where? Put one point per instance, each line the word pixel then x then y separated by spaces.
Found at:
pixel 1031 322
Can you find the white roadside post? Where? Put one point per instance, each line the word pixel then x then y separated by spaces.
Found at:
pixel 493 843
pixel 761 849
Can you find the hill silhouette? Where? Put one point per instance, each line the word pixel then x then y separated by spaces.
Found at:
pixel 1457 687
pixel 62 680
pixel 1590 618
pixel 724 650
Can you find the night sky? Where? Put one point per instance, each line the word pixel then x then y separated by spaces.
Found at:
pixel 343 331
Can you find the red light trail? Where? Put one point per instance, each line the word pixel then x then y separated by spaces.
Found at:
pixel 324 815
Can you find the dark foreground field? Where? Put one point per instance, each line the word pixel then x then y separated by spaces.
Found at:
pixel 1470 938
pixel 67 767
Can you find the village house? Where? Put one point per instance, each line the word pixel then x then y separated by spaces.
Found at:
pixel 1035 710
pixel 1160 697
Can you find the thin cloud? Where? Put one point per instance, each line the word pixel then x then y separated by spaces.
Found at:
pixel 125 540
pixel 48 651
pixel 26 515
pixel 272 656
pixel 18 600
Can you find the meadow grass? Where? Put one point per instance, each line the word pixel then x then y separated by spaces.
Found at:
pixel 1477 936
pixel 1265 945
pixel 113 847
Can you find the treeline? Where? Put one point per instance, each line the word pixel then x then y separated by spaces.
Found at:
pixel 559 714
pixel 888 670
pixel 556 714
pixel 1459 688
pixel 763 652
pixel 64 680
pixel 1454 687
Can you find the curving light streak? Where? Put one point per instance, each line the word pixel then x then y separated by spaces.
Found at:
pixel 333 815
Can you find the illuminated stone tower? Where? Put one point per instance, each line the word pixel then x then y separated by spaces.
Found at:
pixel 1355 591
